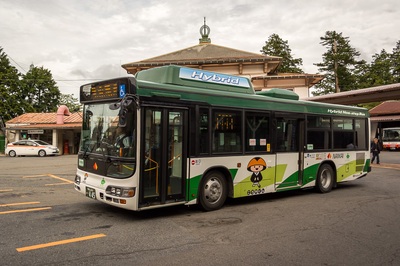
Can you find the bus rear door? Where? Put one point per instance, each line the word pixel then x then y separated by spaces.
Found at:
pixel 289 151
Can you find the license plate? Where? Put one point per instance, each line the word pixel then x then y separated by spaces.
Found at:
pixel 90 193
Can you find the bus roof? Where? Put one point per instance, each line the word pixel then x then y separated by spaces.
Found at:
pixel 228 90
pixel 196 78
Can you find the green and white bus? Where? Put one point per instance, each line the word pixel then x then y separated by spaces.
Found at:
pixel 191 136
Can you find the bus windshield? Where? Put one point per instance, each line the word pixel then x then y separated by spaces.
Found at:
pixel 391 134
pixel 102 133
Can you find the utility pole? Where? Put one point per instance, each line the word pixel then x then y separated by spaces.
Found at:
pixel 337 89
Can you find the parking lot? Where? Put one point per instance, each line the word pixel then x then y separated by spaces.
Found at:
pixel 44 221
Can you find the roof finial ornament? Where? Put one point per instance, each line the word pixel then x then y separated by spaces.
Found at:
pixel 204 32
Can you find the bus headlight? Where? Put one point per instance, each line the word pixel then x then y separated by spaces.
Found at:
pixel 121 191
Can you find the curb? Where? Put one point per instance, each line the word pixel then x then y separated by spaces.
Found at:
pixel 386 165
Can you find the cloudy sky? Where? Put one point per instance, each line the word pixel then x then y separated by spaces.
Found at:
pixel 83 40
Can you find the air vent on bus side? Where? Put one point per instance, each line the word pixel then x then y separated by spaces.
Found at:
pixel 279 93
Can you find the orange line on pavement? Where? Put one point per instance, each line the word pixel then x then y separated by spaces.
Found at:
pixel 62 242
pixel 60 178
pixel 6 190
pixel 57 184
pixel 31 176
pixel 19 203
pixel 26 210
pixel 50 175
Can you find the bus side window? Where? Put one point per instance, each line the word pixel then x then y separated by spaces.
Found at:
pixel 227 131
pixel 319 132
pixel 204 131
pixel 286 135
pixel 257 135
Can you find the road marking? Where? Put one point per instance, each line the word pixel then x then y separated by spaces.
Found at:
pixel 60 178
pixel 6 190
pixel 19 203
pixel 31 176
pixel 61 242
pixel 57 184
pixel 26 210
pixel 66 181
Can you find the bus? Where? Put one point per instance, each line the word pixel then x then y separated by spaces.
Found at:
pixel 391 138
pixel 198 137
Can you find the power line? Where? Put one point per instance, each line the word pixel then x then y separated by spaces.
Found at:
pixel 17 63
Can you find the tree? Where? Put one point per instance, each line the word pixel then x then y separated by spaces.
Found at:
pixel 379 72
pixel 339 64
pixel 11 104
pixel 39 89
pixel 395 62
pixel 71 102
pixel 275 46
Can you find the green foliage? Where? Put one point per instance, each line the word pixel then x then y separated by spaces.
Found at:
pixel 377 73
pixel 275 46
pixel 39 89
pixel 395 63
pixel 71 102
pixel 339 64
pixel 384 69
pixel 36 91
pixel 11 104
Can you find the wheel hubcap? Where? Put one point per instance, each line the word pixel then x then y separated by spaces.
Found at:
pixel 325 178
pixel 213 190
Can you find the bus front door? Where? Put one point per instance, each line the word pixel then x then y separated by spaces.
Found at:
pixel 163 167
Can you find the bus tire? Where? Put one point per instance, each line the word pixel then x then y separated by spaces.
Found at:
pixel 213 191
pixel 325 179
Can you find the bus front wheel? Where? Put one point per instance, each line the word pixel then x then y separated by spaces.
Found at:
pixel 213 191
pixel 325 179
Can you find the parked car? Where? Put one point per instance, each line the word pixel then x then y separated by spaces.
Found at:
pixel 30 147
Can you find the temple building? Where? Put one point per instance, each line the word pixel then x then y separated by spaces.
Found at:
pixel 260 69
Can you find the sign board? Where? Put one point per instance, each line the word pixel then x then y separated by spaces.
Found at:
pixel 36 131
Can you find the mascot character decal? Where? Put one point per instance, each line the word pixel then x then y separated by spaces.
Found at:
pixel 256 165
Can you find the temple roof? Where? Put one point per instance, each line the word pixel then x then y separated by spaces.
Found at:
pixel 203 53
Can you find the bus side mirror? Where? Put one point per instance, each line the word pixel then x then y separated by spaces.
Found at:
pixel 122 117
pixel 125 104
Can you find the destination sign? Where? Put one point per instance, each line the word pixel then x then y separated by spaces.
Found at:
pixel 104 90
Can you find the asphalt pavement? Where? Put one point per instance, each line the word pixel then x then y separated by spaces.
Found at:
pixel 388 159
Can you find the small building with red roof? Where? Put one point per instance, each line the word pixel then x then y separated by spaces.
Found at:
pixel 61 129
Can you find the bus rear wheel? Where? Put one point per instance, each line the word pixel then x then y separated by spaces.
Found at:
pixel 325 179
pixel 213 191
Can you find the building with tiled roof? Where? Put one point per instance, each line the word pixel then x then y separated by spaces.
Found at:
pixel 386 108
pixel 261 69
pixel 45 120
pixel 211 57
pixel 386 114
pixel 61 129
